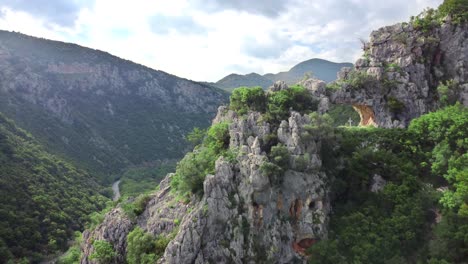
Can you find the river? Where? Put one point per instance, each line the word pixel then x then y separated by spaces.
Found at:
pixel 115 188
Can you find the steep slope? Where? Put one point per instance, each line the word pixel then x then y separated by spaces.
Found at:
pixel 43 198
pixel 101 111
pixel 321 69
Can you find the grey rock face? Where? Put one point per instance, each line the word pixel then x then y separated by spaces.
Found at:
pixel 405 66
pixel 278 86
pixel 114 229
pixel 378 183
pixel 162 217
pixel 318 89
pixel 244 215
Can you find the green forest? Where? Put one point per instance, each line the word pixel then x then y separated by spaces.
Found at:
pixel 44 198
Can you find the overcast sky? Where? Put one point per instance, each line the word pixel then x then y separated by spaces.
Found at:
pixel 205 40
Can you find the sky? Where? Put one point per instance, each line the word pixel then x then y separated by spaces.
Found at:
pixel 205 40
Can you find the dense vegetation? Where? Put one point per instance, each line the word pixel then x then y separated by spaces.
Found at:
pixel 457 10
pixel 144 248
pixel 103 252
pixel 274 105
pixel 398 223
pixel 44 199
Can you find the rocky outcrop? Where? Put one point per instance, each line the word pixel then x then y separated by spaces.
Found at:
pixel 396 80
pixel 113 229
pixel 245 215
pixel 161 217
pixel 318 90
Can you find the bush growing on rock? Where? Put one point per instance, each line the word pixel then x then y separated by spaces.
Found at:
pixel 458 9
pixel 295 98
pixel 447 92
pixel 193 168
pixel 278 163
pixel 140 247
pixel 103 252
pixel 244 99
pixel 359 80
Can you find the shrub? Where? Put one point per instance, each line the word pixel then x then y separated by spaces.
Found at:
pixel 320 126
pixel 395 106
pixel 295 98
pixel 278 164
pixel 196 136
pixel 359 80
pixel 443 137
pixel 140 247
pixel 72 256
pixel 457 9
pixel 140 203
pixel 279 155
pixel 447 92
pixel 103 252
pixel 217 137
pixel 193 168
pixel 272 171
pixel 301 162
pixel 425 21
pixel 244 99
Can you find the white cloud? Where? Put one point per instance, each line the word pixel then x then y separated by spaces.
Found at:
pixel 205 44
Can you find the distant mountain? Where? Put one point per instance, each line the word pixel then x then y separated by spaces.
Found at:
pixel 96 109
pixel 232 81
pixel 321 69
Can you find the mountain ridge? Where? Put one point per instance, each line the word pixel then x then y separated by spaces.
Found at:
pixel 319 68
pixel 95 108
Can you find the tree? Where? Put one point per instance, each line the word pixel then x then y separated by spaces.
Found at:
pixel 103 252
pixel 140 247
pixel 244 99
pixel 196 136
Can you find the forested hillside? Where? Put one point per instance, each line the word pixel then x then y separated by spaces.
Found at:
pixel 98 110
pixel 399 195
pixel 43 200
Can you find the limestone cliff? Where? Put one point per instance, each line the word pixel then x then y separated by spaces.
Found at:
pixel 244 215
pixel 397 78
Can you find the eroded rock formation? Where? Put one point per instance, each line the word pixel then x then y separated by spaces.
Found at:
pixel 401 68
pixel 244 215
